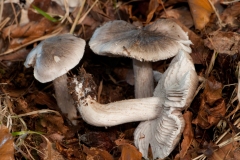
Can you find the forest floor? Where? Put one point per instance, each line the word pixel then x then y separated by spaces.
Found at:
pixel 31 125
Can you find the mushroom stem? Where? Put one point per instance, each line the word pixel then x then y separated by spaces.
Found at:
pixel 64 99
pixel 143 79
pixel 111 114
pixel 83 90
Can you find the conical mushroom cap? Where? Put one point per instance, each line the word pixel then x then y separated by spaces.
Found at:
pixel 55 56
pixel 157 41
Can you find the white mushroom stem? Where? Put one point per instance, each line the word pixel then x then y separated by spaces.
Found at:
pixel 64 99
pixel 143 76
pixel 111 114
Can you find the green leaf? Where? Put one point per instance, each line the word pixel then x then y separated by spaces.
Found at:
pixel 45 14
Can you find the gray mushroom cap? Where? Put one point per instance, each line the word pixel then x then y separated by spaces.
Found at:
pixel 55 56
pixel 157 41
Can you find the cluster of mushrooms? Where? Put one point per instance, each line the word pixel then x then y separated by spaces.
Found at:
pixel 159 109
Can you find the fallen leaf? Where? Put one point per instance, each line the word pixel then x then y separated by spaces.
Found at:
pixel 227 152
pixel 201 12
pixel 71 152
pixel 129 152
pixel 212 107
pixel 44 99
pixel 96 154
pixel 23 34
pixel 182 14
pixel 11 10
pixel 6 144
pixel 49 121
pixel 229 15
pixel 224 42
pixel 153 5
pixel 207 149
pixel 47 151
pixel 101 140
pixel 187 134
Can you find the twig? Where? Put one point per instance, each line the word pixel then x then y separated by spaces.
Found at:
pixel 1 10
pixel 35 112
pixel 77 18
pixel 229 2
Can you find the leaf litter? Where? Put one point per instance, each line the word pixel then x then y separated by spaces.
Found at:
pixel 212 120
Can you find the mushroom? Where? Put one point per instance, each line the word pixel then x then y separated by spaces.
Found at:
pixel 51 60
pixel 157 41
pixel 83 90
pixel 176 90
pixel 163 124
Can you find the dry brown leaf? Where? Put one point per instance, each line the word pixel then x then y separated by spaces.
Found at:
pixel 227 152
pixel 224 42
pixel 229 15
pixel 101 140
pixel 96 154
pixel 26 33
pixel 201 11
pixel 12 11
pixel 187 134
pixel 49 121
pixel 212 107
pixel 71 152
pixel 129 152
pixel 6 144
pixel 182 14
pixel 153 5
pixel 44 99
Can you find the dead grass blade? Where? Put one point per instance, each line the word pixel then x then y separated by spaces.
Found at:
pixel 36 112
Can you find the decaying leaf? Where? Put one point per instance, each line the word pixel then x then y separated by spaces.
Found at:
pixel 207 148
pixel 26 33
pixel 153 5
pixel 224 42
pixel 182 14
pixel 129 152
pixel 229 151
pixel 49 122
pixel 229 15
pixel 101 140
pixel 187 134
pixel 48 151
pixel 201 12
pixel 212 107
pixel 96 154
pixel 8 12
pixel 44 99
pixel 6 144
